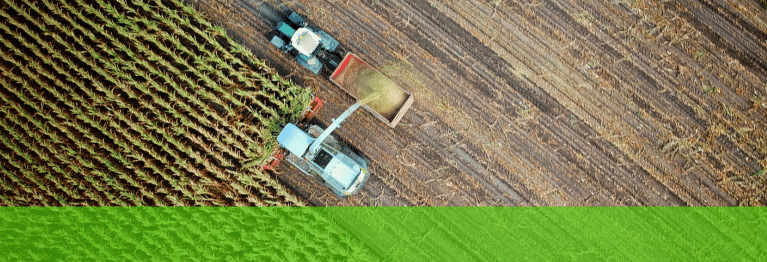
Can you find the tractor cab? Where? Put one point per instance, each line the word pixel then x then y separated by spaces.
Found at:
pixel 310 46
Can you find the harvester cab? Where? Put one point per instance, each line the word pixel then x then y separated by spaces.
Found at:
pixel 310 46
pixel 315 151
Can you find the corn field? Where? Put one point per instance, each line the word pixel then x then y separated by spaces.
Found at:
pixel 130 103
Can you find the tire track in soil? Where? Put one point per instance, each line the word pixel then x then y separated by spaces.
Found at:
pixel 453 161
pixel 432 48
pixel 627 73
pixel 557 107
pixel 465 140
pixel 568 155
pixel 715 189
pixel 703 178
pixel 638 95
pixel 598 42
pixel 721 26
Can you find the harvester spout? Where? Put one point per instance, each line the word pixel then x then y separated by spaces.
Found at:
pixel 336 123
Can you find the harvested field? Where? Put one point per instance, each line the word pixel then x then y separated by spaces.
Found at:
pixel 543 102
pixel 128 103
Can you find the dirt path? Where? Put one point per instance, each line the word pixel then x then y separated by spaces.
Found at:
pixel 543 102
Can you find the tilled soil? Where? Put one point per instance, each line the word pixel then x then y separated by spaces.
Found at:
pixel 540 103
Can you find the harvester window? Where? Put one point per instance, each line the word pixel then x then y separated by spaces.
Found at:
pixel 323 158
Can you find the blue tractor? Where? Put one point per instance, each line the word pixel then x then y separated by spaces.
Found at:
pixel 310 46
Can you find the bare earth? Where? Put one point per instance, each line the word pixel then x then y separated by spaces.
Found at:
pixel 542 103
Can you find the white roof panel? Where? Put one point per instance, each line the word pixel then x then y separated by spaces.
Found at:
pixel 295 140
pixel 305 41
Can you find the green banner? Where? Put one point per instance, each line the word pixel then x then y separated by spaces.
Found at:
pixel 384 233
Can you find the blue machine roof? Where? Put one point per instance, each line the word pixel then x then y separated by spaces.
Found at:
pixel 277 41
pixel 286 29
pixel 328 42
pixel 294 139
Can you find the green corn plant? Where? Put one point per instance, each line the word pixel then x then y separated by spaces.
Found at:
pixel 103 175
pixel 32 146
pixel 151 195
pixel 45 170
pixel 26 190
pixel 5 201
pixel 208 82
pixel 266 194
pixel 214 41
pixel 175 201
pixel 75 109
pixel 172 14
pixel 60 173
pixel 28 174
pixel 4 185
pixel 69 153
pixel 180 128
pixel 250 200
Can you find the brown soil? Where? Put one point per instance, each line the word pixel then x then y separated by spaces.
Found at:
pixel 543 102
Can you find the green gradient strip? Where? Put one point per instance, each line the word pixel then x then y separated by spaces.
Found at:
pixel 384 233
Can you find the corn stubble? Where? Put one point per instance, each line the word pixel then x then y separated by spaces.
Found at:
pixel 127 103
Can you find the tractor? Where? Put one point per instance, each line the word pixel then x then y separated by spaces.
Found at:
pixel 308 147
pixel 309 45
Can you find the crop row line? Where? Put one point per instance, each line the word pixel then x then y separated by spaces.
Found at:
pixel 168 138
pixel 236 173
pixel 133 29
pixel 82 161
pixel 260 91
pixel 173 13
pixel 266 83
pixel 34 146
pixel 123 118
pixel 154 57
pixel 24 186
pixel 45 144
pixel 75 109
pixel 239 49
pixel 143 119
pixel 128 94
